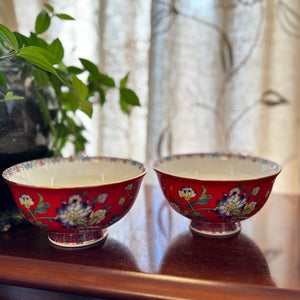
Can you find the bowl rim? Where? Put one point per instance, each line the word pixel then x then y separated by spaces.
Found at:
pixel 216 155
pixel 41 161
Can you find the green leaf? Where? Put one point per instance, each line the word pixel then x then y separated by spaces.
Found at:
pixel 101 94
pixel 39 223
pixel 124 81
pixel 204 196
pixel 36 58
pixel 124 106
pixel 236 212
pixel 186 212
pixel 3 80
pixel 22 39
pixel 81 221
pixel 105 80
pixel 41 202
pixel 74 70
pixel 8 38
pixel 200 201
pixel 89 66
pixel 34 40
pixel 79 87
pixel 56 84
pixel 41 207
pixel 39 50
pixel 84 194
pixel 129 97
pixel 92 221
pixel 203 199
pixel 49 7
pixel 40 77
pixel 71 102
pixel 87 108
pixel 10 96
pixel 44 109
pixel 199 217
pixel 57 50
pixel 96 75
pixel 42 22
pixel 64 17
pixel 40 210
pixel 79 143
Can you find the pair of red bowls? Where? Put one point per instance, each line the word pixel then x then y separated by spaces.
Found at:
pixel 77 199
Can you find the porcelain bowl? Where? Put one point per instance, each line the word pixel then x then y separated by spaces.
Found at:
pixel 216 191
pixel 75 199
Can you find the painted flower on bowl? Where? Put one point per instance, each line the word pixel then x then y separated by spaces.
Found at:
pixel 102 198
pixel 187 193
pixel 232 204
pixel 255 191
pixel 73 198
pixel 73 214
pixel 26 201
pixel 97 216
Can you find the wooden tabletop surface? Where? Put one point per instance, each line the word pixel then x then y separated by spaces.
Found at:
pixel 151 254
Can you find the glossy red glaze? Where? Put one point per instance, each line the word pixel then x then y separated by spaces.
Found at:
pixel 75 216
pixel 214 206
pixel 120 198
pixel 171 187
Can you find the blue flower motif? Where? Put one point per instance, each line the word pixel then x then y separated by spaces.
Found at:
pixel 73 214
pixel 232 204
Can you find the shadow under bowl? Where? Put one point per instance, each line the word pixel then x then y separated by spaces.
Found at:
pixel 234 259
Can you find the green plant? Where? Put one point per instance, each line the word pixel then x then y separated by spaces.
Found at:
pixel 45 64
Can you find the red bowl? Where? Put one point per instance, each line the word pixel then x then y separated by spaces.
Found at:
pixel 75 199
pixel 216 191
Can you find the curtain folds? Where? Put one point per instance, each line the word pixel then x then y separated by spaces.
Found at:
pixel 211 75
pixel 229 80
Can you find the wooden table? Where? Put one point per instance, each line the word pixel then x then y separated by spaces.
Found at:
pixel 151 254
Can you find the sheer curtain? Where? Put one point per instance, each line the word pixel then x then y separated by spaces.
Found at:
pixel 228 80
pixel 211 75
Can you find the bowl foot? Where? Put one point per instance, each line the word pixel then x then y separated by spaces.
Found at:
pixel 215 229
pixel 76 240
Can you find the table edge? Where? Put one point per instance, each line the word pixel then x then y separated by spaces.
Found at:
pixel 116 284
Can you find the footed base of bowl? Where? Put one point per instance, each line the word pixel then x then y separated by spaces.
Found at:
pixel 75 240
pixel 215 229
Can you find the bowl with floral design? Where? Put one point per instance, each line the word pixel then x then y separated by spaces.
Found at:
pixel 75 199
pixel 216 191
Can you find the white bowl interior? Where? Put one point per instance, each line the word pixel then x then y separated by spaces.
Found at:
pixel 215 166
pixel 60 172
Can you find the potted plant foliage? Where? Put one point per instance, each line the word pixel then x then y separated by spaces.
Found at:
pixel 39 95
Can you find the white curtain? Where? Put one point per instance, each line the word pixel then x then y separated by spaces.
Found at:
pixel 211 75
pixel 228 80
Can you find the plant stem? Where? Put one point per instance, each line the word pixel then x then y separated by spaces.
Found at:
pixel 70 87
pixel 50 121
